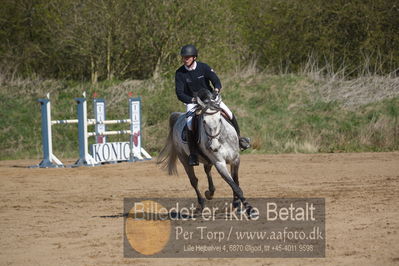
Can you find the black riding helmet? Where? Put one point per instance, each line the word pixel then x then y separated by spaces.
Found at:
pixel 189 50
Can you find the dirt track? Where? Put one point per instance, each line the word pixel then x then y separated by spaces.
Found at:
pixel 52 216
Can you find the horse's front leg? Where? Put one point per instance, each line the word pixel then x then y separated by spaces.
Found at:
pixel 211 188
pixel 222 169
pixel 234 173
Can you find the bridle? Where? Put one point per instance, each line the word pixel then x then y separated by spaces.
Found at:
pixel 212 113
pixel 215 108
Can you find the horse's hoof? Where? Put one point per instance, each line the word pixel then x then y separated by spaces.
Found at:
pixel 198 210
pixel 236 204
pixel 252 213
pixel 208 195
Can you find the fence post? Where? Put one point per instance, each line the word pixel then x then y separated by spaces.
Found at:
pixel 49 159
pixel 100 116
pixel 85 159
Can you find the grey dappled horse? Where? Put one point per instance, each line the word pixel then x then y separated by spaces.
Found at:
pixel 218 145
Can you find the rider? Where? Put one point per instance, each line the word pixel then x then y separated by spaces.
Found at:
pixel 190 78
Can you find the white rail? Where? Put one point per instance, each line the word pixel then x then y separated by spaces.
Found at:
pixel 67 121
pixel 107 133
pixel 92 121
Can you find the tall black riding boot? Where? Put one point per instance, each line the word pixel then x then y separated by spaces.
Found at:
pixel 193 158
pixel 243 141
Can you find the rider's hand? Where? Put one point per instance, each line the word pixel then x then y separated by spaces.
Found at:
pixel 215 93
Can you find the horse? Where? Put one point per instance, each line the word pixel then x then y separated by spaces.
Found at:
pixel 217 144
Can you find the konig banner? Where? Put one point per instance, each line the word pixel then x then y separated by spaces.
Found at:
pixel 176 228
pixel 110 152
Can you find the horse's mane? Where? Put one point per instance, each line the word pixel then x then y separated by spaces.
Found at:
pixel 207 98
pixel 205 95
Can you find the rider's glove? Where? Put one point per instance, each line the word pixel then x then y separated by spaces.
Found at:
pixel 215 93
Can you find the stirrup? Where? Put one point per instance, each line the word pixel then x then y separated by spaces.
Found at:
pixel 193 160
pixel 244 143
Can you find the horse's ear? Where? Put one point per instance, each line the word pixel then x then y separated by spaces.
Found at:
pixel 201 103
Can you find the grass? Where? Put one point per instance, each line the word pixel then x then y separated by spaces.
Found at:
pixel 285 113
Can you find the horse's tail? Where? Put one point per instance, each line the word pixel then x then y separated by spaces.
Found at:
pixel 168 155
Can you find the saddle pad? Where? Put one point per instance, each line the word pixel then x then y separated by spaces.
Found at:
pixel 184 134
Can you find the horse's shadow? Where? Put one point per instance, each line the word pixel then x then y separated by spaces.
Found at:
pixel 119 215
pixel 173 216
pixel 150 216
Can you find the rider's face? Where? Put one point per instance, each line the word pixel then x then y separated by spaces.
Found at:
pixel 188 60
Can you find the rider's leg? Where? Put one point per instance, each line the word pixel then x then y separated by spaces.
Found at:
pixel 243 141
pixel 193 157
pixel 235 125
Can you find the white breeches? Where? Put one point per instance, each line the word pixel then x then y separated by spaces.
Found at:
pixel 193 105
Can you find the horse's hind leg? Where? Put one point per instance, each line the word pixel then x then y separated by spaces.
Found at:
pixel 194 182
pixel 234 174
pixel 211 188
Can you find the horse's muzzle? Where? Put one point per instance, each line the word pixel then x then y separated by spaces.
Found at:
pixel 213 145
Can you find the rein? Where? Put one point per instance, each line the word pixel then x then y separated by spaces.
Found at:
pixel 212 113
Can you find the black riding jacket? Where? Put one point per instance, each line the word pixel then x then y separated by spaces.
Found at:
pixel 190 82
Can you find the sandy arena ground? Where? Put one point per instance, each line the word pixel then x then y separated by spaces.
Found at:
pixel 53 216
